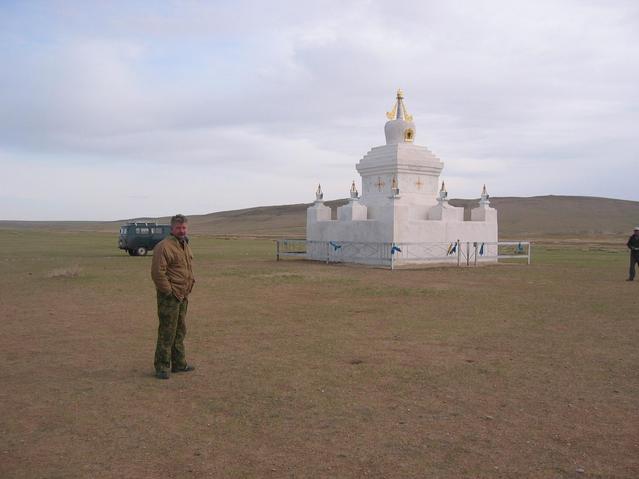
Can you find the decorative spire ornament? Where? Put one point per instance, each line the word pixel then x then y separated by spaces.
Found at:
pixel 484 197
pixel 354 192
pixel 319 195
pixel 399 110
pixel 443 194
pixel 400 127
pixel 394 186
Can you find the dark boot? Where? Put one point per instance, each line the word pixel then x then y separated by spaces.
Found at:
pixel 186 369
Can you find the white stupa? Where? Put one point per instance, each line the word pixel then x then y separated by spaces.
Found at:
pixel 401 201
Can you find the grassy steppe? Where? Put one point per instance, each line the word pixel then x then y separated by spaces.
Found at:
pixel 311 370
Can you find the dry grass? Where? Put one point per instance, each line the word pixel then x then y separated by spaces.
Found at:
pixel 66 272
pixel 558 218
pixel 309 370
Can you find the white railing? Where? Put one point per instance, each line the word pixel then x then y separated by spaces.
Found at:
pixel 514 250
pixel 427 252
pixel 461 253
pixel 359 252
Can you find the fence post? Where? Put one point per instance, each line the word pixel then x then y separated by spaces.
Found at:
pixel 277 242
pixel 392 259
pixel 529 251
pixel 475 243
pixel 467 253
pixel 328 252
pixel 458 253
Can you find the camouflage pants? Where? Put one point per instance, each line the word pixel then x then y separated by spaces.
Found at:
pixel 171 332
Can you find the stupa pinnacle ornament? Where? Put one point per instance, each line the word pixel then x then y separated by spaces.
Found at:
pixel 400 127
pixel 484 197
pixel 319 195
pixel 399 110
pixel 443 194
pixel 354 192
pixel 394 186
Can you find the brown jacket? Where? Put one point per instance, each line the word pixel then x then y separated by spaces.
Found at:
pixel 172 269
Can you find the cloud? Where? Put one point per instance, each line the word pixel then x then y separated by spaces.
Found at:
pixel 265 93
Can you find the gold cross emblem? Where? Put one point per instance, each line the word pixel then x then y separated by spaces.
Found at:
pixel 419 184
pixel 380 184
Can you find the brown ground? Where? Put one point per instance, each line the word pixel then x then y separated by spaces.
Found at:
pixel 309 370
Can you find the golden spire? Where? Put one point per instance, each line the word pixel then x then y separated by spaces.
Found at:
pixel 399 110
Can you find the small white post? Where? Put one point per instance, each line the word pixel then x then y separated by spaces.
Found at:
pixel 475 253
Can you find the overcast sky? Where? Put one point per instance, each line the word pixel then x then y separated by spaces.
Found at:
pixel 112 110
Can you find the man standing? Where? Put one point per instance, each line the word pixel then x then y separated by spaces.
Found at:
pixel 172 274
pixel 633 244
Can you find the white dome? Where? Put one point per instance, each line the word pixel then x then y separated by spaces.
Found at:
pixel 399 131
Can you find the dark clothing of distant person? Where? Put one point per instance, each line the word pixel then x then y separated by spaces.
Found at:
pixel 633 244
pixel 172 273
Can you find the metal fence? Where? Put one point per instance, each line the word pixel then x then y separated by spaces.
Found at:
pixel 460 253
pixel 291 247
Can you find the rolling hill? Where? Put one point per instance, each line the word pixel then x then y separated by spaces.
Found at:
pixel 533 217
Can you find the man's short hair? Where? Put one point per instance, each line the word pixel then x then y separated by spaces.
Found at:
pixel 178 220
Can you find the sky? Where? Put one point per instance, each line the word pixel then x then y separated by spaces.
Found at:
pixel 116 110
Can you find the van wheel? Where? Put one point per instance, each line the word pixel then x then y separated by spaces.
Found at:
pixel 131 252
pixel 140 251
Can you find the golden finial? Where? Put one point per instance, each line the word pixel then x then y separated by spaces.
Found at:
pixel 394 182
pixel 393 113
pixel 483 191
pixel 399 110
